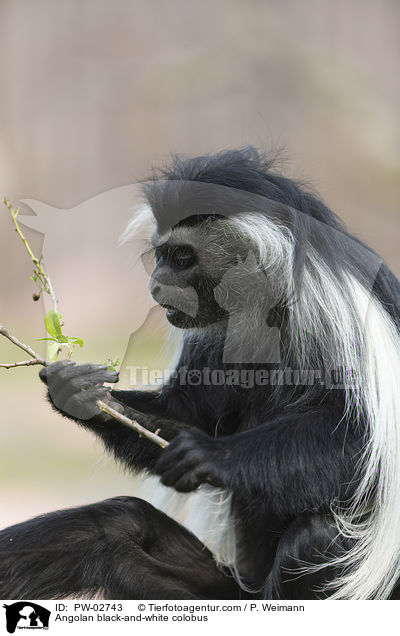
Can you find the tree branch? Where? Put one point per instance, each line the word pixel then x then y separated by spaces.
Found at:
pixel 37 262
pixel 143 432
pixel 24 347
pixel 24 363
pixel 43 277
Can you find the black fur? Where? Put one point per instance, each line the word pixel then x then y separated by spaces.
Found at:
pixel 286 455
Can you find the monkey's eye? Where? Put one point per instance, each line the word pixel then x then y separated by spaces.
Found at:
pixel 183 258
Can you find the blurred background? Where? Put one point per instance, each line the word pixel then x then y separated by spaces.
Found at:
pixel 96 92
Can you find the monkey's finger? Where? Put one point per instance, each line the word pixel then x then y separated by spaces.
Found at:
pixel 171 473
pixel 186 480
pixel 83 405
pixel 90 378
pixel 62 386
pixel 76 371
pixel 179 459
pixel 43 373
pixel 171 477
pixel 60 391
pixel 188 483
pixel 184 443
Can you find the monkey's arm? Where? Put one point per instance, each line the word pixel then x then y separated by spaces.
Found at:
pixel 74 390
pixel 169 402
pixel 295 463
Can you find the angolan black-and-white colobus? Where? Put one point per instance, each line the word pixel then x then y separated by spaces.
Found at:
pixel 282 477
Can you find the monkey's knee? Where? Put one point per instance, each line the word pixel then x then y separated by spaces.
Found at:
pixel 128 521
pixel 301 568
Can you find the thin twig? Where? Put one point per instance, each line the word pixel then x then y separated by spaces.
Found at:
pixel 41 273
pixel 24 363
pixel 14 213
pixel 23 346
pixel 52 294
pixel 132 424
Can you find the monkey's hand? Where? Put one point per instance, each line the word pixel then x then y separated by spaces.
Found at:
pixel 74 389
pixel 192 458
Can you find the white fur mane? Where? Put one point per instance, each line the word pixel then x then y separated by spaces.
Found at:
pixel 364 340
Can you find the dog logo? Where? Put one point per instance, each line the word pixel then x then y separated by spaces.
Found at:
pixel 26 615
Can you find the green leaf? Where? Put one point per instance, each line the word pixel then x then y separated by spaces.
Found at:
pixel 112 364
pixel 76 341
pixel 52 324
pixel 39 339
pixel 62 339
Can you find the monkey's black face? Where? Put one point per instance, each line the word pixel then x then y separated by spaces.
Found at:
pixel 179 319
pixel 187 297
pixel 189 265
pixel 208 313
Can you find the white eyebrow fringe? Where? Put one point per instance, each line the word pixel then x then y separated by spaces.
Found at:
pixel 142 223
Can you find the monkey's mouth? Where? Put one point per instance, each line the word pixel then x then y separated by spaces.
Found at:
pixel 176 316
pixel 167 306
pixel 171 310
